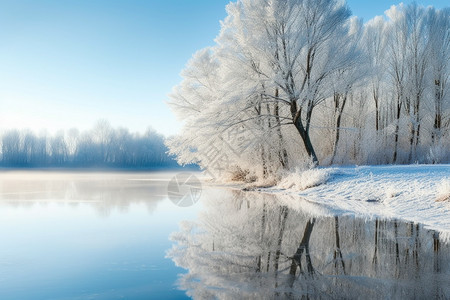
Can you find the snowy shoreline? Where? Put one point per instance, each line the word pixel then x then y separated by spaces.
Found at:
pixel 405 192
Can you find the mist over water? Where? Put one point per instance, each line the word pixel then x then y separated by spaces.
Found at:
pixel 87 235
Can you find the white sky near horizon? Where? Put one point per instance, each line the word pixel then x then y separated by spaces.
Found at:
pixel 66 64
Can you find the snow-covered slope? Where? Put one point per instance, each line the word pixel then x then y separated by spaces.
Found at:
pixel 410 193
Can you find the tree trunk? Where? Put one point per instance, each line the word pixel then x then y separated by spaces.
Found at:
pixel 336 138
pixel 412 133
pixel 283 156
pixel 304 132
pixel 437 113
pixel 397 121
pixel 377 110
pixel 263 152
pixel 264 163
pixel 437 127
pixel 339 108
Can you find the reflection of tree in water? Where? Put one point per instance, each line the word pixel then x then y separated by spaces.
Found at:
pixel 248 245
pixel 105 191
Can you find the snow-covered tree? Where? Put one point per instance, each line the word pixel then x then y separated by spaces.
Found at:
pixel 274 63
pixel 439 38
pixel 103 146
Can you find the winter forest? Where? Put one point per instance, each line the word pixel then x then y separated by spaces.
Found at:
pixel 102 146
pixel 298 83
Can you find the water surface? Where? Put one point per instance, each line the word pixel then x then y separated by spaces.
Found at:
pixel 261 246
pixel 118 236
pixel 87 236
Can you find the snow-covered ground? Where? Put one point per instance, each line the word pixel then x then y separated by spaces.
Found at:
pixel 417 193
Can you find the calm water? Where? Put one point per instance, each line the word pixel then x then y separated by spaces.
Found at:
pixel 88 236
pixel 118 236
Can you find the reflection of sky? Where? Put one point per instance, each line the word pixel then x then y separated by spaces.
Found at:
pixel 52 250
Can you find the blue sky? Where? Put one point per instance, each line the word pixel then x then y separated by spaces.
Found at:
pixel 69 63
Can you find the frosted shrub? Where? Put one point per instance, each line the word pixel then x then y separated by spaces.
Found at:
pixel 239 174
pixel 302 180
pixel 443 190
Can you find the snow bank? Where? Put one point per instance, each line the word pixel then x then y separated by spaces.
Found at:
pixel 409 193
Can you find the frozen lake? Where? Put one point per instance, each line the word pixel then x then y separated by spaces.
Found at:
pixel 119 236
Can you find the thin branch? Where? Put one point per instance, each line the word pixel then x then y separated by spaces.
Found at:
pixel 277 98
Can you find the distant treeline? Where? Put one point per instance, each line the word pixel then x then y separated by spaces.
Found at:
pixel 102 146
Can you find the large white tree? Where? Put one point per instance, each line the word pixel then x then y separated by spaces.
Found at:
pixel 274 63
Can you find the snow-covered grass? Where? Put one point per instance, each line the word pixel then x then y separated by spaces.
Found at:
pixel 415 193
pixel 302 180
